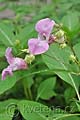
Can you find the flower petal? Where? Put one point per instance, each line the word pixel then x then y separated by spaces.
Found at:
pixel 6 71
pixel 51 39
pixel 37 46
pixel 45 26
pixel 15 63
pixel 18 64
pixel 9 55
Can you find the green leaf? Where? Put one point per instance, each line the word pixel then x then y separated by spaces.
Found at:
pixel 77 50
pixel 69 94
pixel 33 111
pixel 71 21
pixel 6 34
pixel 45 90
pixel 7 109
pixel 57 59
pixel 8 83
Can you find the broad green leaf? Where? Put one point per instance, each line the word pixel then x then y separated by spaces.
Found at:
pixel 33 111
pixel 8 83
pixel 6 34
pixel 57 59
pixel 7 109
pixel 4 116
pixel 71 21
pixel 45 90
pixel 69 94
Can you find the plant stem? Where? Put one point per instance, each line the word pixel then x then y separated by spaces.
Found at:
pixel 75 87
pixel 27 91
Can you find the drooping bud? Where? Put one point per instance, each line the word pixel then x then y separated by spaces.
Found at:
pixel 29 58
pixel 63 45
pixel 60 34
pixel 17 42
pixel 73 58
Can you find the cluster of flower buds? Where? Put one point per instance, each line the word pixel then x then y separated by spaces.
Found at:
pixel 72 58
pixel 36 46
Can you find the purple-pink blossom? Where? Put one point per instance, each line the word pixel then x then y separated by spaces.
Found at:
pixel 41 44
pixel 45 26
pixel 37 46
pixel 15 63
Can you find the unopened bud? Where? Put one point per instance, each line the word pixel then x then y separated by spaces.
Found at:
pixel 73 58
pixel 63 45
pixel 60 40
pixel 25 50
pixel 17 42
pixel 56 25
pixel 60 34
pixel 29 58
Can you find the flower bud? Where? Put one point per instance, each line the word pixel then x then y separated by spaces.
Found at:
pixel 29 58
pixel 60 40
pixel 25 50
pixel 17 42
pixel 60 34
pixel 63 45
pixel 72 58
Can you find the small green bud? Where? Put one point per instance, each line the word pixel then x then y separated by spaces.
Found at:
pixel 73 58
pixel 17 42
pixel 25 50
pixel 60 34
pixel 63 45
pixel 60 40
pixel 58 25
pixel 29 58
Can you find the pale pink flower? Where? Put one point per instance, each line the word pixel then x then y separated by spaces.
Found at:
pixel 15 63
pixel 44 27
pixel 41 44
pixel 37 46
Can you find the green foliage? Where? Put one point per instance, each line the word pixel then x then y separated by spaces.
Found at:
pixel 45 90
pixel 53 79
pixel 57 59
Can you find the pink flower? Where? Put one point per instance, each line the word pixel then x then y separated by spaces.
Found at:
pixel 37 46
pixel 45 26
pixel 41 44
pixel 15 63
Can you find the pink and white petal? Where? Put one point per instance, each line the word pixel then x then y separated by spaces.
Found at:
pixel 9 55
pixel 37 47
pixel 45 26
pixel 6 71
pixel 51 39
pixel 19 64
